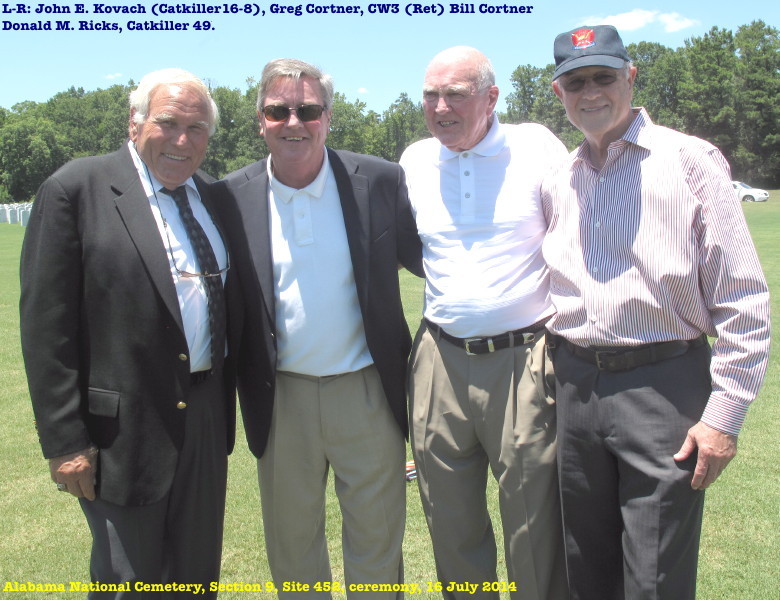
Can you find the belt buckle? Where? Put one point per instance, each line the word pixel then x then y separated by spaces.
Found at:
pixel 528 338
pixel 467 345
pixel 606 353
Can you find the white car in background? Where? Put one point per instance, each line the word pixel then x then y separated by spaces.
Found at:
pixel 749 194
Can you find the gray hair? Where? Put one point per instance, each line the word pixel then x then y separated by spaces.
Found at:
pixel 141 97
pixel 294 68
pixel 486 76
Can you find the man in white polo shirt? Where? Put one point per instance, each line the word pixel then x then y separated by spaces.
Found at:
pixel 478 395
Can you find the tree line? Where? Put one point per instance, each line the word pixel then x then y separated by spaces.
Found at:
pixel 722 86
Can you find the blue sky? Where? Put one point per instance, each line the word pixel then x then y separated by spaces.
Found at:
pixel 373 57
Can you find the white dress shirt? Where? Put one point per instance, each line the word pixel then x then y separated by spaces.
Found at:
pixel 190 291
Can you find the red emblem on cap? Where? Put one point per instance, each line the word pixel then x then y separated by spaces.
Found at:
pixel 583 38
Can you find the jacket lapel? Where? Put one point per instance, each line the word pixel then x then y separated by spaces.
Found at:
pixel 133 207
pixel 252 200
pixel 353 193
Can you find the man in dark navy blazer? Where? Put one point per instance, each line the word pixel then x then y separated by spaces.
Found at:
pixel 318 237
pixel 134 400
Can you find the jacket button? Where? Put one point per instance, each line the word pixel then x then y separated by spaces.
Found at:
pixel 182 357
pixel 181 405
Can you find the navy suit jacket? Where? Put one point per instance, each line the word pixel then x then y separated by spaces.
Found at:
pixel 382 235
pixel 102 334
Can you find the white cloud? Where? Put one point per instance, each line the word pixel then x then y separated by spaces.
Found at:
pixel 362 91
pixel 631 21
pixel 639 18
pixel 113 76
pixel 675 22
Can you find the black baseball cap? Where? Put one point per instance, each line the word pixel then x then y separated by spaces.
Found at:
pixel 597 46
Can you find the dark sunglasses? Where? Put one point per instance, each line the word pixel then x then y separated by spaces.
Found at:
pixel 576 84
pixel 305 112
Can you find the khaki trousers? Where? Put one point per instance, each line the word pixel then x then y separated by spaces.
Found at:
pixel 469 413
pixel 341 422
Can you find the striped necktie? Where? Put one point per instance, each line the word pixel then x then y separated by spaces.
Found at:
pixel 209 268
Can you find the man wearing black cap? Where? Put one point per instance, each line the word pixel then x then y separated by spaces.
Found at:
pixel 649 255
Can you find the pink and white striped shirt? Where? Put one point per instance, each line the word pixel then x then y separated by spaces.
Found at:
pixel 654 247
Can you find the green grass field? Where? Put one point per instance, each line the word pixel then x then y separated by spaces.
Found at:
pixel 44 538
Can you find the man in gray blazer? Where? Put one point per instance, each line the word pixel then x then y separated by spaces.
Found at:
pixel 123 335
pixel 318 237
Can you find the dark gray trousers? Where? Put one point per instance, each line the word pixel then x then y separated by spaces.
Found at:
pixel 631 520
pixel 178 539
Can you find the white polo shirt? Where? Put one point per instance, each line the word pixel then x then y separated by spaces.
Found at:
pixel 319 325
pixel 480 219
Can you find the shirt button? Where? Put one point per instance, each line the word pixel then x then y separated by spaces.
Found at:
pixel 182 357
pixel 595 269
pixel 465 155
pixel 598 224
pixel 602 179
pixel 468 195
pixel 181 405
pixel 467 173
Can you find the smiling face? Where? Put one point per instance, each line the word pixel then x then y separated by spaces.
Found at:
pixel 457 113
pixel 172 141
pixel 297 147
pixel 598 101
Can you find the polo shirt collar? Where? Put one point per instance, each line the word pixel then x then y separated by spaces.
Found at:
pixel 490 145
pixel 315 189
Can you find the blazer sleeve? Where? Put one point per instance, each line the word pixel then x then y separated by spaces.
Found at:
pixel 409 244
pixel 50 315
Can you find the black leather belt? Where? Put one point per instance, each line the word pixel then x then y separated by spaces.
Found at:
pixel 630 357
pixel 486 345
pixel 199 377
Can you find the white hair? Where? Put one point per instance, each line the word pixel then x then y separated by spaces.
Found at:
pixel 141 97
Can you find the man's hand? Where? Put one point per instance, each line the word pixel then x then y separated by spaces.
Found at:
pixel 76 471
pixel 715 451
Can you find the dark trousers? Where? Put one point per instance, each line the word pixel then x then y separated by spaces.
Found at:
pixel 631 520
pixel 177 540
